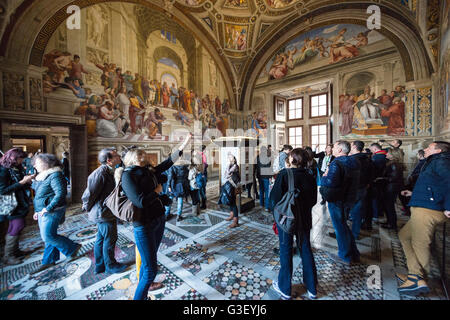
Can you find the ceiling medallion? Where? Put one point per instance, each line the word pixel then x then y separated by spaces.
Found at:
pixel 262 8
pixel 218 16
pixel 253 19
pixel 208 5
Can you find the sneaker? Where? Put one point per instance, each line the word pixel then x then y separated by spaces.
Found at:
pixel 179 218
pixel 312 296
pixel 401 277
pixel 277 289
pixel 414 285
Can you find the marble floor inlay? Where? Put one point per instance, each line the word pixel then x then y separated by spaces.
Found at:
pixel 200 258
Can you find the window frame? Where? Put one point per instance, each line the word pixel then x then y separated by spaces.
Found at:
pixel 303 109
pixel 310 105
pixel 326 135
pixel 289 137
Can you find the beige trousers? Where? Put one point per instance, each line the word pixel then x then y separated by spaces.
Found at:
pixel 416 237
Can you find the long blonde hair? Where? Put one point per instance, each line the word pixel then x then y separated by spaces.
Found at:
pixel 134 157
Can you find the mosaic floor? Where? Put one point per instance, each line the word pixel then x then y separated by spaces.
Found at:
pixel 201 259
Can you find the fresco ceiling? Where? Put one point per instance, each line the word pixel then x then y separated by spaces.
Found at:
pixel 239 31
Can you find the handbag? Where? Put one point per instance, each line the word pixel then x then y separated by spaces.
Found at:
pixel 8 202
pixel 121 206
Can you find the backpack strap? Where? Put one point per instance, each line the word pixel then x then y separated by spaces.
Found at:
pixel 290 179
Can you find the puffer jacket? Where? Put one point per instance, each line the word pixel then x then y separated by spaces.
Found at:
pixel 100 184
pixel 50 188
pixel 344 175
pixel 432 189
pixel 178 180
pixel 10 183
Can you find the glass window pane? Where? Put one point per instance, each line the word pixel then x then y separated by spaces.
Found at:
pixel 322 110
pixel 291 104
pixel 299 103
pixel 314 112
pixel 315 130
pixel 314 140
pixel 291 131
pixel 298 113
pixel 323 139
pixel 291 114
pixel 323 129
pixel 323 99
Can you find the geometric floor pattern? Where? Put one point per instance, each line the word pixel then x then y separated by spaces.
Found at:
pixel 201 259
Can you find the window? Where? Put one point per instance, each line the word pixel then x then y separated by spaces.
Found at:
pixel 295 109
pixel 319 134
pixel 319 105
pixel 296 137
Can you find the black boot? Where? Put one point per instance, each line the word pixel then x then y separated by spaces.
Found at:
pixel 203 206
pixel 11 242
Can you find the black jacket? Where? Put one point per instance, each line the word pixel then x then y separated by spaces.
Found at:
pixel 306 183
pixel 367 169
pixel 66 168
pixel 263 167
pixel 99 186
pixel 177 179
pixel 9 183
pixel 432 189
pixel 393 177
pixel 139 183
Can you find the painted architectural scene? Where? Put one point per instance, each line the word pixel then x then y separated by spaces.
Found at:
pixel 132 85
pixel 321 47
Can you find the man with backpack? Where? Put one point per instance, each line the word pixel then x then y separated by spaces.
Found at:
pixel 339 188
pixel 100 184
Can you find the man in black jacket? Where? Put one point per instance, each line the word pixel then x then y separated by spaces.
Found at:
pixel 100 184
pixel 358 211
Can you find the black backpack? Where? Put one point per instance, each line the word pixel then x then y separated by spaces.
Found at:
pixel 285 210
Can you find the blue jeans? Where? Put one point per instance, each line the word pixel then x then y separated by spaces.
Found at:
pixel 308 263
pixel 148 238
pixel 168 208
pixel 264 193
pixel 54 243
pixel 202 193
pixel 105 244
pixel 357 212
pixel 179 207
pixel 346 241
